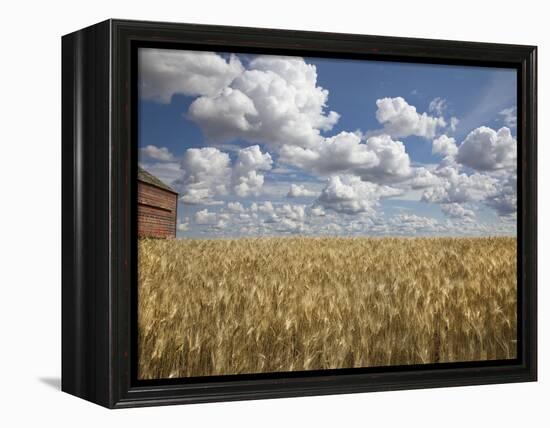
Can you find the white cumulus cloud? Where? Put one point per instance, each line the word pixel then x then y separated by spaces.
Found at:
pixel 166 72
pixel 350 195
pixel 182 227
pixel 445 146
pixel 224 116
pixel 451 188
pixel 206 173
pixel 454 186
pixel 318 211
pixel 275 101
pixel 412 224
pixel 247 180
pixel 504 199
pixel 424 178
pixel 292 212
pixel 299 191
pixel 485 149
pixel 455 210
pixel 205 217
pixel 266 208
pixel 378 159
pixel 157 153
pixel 235 207
pixel 400 119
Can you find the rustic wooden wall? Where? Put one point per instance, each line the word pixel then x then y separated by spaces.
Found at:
pixel 157 211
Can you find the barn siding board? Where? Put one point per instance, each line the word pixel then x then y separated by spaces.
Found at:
pixel 149 195
pixel 157 211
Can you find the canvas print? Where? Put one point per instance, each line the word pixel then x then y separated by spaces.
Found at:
pixel 303 213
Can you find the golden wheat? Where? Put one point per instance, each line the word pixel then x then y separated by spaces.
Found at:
pixel 228 306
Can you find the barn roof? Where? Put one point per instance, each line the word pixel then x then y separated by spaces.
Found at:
pixel 149 178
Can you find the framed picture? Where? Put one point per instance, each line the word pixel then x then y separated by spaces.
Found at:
pixel 253 213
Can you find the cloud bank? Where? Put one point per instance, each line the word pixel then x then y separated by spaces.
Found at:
pixel 267 118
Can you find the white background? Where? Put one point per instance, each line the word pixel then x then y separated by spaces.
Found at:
pixel 30 214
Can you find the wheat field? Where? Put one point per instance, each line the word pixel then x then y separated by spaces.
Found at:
pixel 233 306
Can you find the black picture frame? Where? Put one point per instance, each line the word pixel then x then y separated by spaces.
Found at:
pixel 99 164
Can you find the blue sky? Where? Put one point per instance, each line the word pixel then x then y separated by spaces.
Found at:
pixel 252 147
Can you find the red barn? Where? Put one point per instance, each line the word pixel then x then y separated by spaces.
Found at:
pixel 157 207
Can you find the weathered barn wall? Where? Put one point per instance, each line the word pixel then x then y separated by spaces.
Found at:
pixel 157 211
